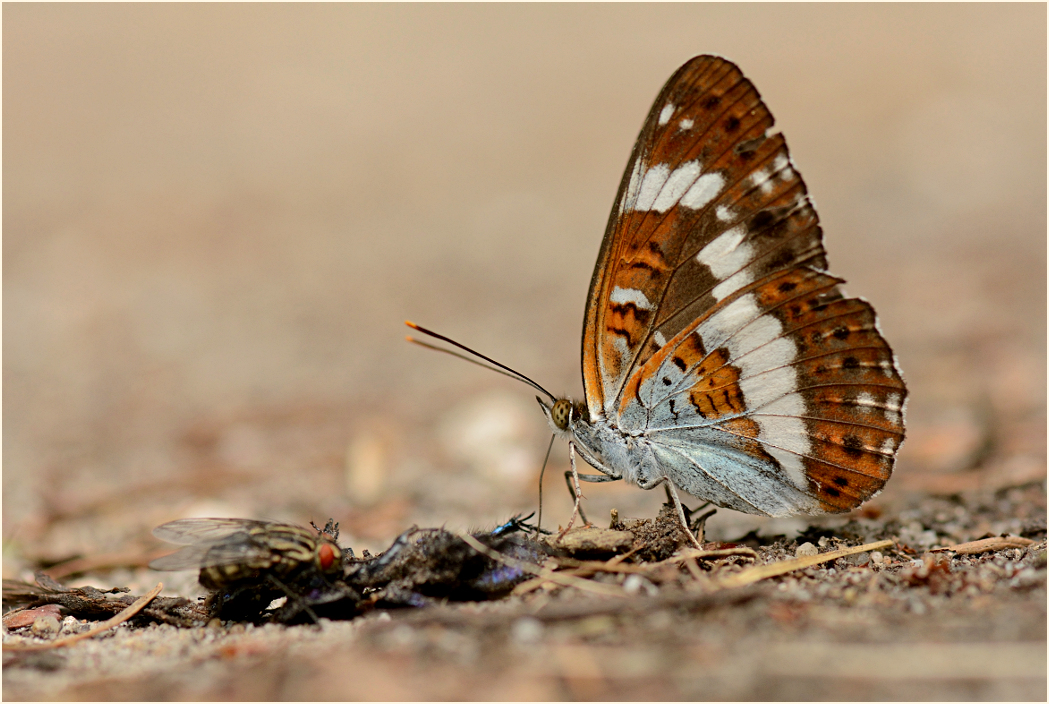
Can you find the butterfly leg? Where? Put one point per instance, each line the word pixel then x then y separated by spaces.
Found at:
pixel 577 493
pixel 699 525
pixel 696 524
pixel 570 479
pixel 674 499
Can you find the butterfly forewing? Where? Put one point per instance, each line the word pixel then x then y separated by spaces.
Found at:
pixel 711 327
pixel 702 163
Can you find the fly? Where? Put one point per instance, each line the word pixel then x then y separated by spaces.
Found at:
pixel 238 555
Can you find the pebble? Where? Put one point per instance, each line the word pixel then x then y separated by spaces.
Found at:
pixel 806 550
pixel 45 627
pixel 634 583
pixel 859 560
pixel 526 631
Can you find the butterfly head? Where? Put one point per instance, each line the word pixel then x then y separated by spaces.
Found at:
pixel 564 412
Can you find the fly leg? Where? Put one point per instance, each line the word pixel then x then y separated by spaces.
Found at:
pixel 293 599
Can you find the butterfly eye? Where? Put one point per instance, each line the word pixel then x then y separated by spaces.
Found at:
pixel 561 413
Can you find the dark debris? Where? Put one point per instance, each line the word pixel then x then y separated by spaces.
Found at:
pixel 427 567
pixel 97 604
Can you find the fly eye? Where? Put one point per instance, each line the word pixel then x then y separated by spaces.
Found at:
pixel 326 554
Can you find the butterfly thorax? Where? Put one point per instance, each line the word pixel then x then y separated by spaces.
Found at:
pixel 603 446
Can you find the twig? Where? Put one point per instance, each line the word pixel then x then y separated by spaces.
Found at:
pixel 550 575
pixel 975 547
pixel 693 569
pixel 620 558
pixel 124 615
pixel 686 554
pixel 759 572
pixel 594 566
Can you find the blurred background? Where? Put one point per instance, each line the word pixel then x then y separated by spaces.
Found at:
pixel 217 218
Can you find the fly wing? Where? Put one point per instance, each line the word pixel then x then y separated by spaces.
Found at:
pixel 216 541
pixel 190 531
pixel 190 557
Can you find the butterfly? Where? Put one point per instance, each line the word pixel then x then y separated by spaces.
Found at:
pixel 719 356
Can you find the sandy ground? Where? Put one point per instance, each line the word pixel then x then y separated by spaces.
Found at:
pixel 216 219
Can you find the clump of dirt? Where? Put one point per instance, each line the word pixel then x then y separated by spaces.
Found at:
pixel 655 539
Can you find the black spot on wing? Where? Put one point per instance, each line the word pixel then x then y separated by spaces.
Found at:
pixel 853 446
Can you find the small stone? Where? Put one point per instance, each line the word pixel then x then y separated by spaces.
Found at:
pixel 806 550
pixel 634 583
pixel 526 631
pixel 45 627
pixel 70 624
pixel 823 541
pixel 858 560
pixel 877 558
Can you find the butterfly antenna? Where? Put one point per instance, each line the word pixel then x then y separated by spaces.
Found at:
pixel 463 357
pixel 497 367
